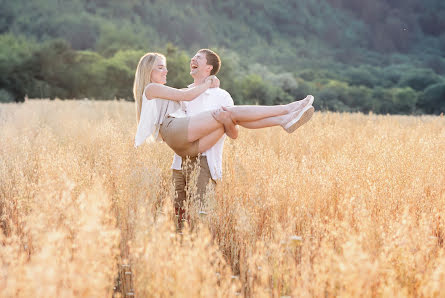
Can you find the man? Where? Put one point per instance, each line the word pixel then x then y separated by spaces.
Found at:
pixel 209 164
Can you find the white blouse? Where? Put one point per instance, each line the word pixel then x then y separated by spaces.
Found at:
pixel 153 113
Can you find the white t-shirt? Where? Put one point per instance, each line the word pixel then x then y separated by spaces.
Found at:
pixel 212 98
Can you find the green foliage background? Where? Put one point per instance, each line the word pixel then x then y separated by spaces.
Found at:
pixel 385 56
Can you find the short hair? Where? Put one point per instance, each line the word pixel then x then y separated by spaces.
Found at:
pixel 212 59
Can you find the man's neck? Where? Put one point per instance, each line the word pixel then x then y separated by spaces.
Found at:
pixel 199 80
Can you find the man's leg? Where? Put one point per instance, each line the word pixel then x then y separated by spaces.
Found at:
pixel 180 197
pixel 204 178
pixel 197 176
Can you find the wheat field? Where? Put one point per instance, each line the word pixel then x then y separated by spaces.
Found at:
pixel 349 205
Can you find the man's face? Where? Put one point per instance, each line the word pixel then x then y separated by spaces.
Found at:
pixel 198 66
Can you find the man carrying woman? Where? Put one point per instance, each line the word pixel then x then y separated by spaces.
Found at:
pixel 191 123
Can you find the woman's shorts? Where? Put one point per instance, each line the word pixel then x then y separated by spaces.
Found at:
pixel 174 132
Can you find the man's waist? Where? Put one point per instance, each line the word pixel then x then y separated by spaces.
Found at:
pixel 189 159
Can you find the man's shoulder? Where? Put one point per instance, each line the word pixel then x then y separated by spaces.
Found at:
pixel 219 91
pixel 221 94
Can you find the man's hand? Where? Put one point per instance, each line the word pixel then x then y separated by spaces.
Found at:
pixel 224 117
pixel 231 129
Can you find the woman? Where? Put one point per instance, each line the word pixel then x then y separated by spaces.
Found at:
pixel 160 117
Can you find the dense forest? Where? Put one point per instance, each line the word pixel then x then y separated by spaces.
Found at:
pixel 385 56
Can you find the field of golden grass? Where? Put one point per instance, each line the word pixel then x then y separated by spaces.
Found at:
pixel 348 205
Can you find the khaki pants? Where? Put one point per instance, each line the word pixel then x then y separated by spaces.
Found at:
pixel 184 181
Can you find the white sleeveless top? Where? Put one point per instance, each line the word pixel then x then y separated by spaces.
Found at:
pixel 153 113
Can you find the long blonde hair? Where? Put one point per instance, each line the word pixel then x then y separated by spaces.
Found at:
pixel 142 77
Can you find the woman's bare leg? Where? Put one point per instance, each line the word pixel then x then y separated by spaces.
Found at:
pixel 205 143
pixel 266 122
pixel 253 113
pixel 203 124
pixel 290 122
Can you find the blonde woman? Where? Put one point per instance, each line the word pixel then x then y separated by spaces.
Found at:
pixel 161 118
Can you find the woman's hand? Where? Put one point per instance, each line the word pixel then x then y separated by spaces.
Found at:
pixel 214 81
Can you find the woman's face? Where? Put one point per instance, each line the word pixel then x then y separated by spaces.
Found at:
pixel 159 72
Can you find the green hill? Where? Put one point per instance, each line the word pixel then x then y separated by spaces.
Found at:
pixel 385 56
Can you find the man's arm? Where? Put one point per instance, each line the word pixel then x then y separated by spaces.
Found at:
pixel 231 130
pixel 224 117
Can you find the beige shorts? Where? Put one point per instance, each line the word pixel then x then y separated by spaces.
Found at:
pixel 174 132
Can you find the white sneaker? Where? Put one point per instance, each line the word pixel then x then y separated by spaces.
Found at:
pixel 301 118
pixel 308 103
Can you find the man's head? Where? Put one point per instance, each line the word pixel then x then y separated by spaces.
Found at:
pixel 205 63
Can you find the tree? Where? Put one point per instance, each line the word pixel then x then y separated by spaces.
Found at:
pixel 432 99
pixel 178 67
pixel 53 63
pixel 404 100
pixel 361 76
pixel 255 90
pixel 80 31
pixel 119 74
pixel 419 79
pixel 359 99
pixel 15 52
